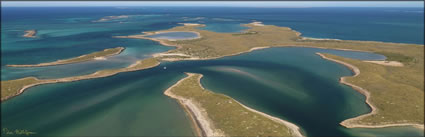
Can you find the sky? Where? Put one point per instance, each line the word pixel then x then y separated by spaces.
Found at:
pixel 215 3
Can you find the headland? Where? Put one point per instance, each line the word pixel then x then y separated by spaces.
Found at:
pixel 207 107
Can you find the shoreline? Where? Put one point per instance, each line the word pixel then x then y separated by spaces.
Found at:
pixel 347 123
pixel 97 74
pixel 142 36
pixel 295 130
pixel 386 63
pixel 299 34
pixel 205 122
pixel 197 58
pixel 242 52
pixel 69 61
pixel 195 124
pixel 164 42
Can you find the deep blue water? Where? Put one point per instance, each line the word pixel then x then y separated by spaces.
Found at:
pixel 278 78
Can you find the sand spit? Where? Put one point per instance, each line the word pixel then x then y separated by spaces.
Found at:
pixel 349 123
pixel 78 59
pixel 159 32
pixel 257 48
pixel 161 41
pixel 257 23
pixel 308 38
pixel 170 54
pixel 206 125
pixel 30 33
pixel 190 24
pixel 387 63
pixel 99 58
pixel 195 124
pixel 139 65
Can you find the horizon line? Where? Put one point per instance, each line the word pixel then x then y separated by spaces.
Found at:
pixel 214 6
pixel 262 4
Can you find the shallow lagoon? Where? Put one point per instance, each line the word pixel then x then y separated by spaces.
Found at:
pixel 135 49
pixel 174 35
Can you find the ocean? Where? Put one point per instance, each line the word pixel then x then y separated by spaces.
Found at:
pixel 281 81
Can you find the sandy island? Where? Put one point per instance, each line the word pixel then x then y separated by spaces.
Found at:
pixel 30 33
pixel 201 120
pixel 308 38
pixel 101 55
pixel 348 122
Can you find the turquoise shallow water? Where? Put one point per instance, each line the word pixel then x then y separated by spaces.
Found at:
pixel 289 83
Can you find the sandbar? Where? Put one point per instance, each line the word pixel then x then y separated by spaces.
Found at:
pixel 100 55
pixel 30 33
pixel 387 63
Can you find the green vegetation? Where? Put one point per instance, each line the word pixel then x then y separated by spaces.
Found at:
pixel 246 33
pixel 226 114
pixel 396 92
pixel 87 57
pixel 397 57
pixel 11 87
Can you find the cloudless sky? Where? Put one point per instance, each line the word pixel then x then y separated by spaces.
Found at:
pixel 216 3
